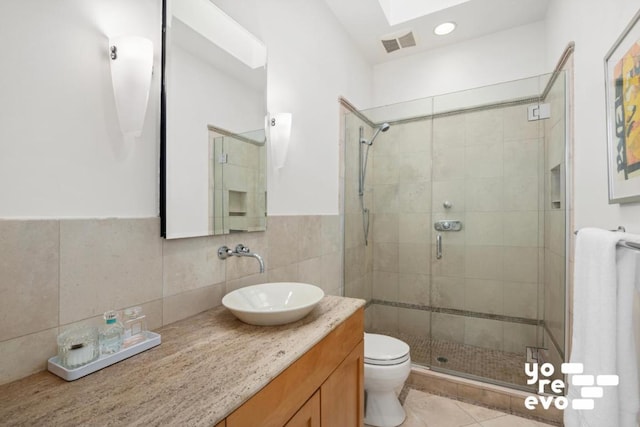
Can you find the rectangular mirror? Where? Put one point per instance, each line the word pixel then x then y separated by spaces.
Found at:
pixel 213 151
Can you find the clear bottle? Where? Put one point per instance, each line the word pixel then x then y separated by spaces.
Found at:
pixel 112 333
pixel 135 326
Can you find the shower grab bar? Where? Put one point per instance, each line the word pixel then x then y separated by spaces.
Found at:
pixel 622 243
pixel 438 246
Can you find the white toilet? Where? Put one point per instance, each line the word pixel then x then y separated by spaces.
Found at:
pixel 387 365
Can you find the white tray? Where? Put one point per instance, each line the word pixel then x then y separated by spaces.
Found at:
pixel 103 361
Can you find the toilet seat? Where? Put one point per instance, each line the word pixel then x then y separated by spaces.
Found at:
pixel 383 350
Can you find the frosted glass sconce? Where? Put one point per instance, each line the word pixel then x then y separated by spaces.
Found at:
pixel 279 135
pixel 131 70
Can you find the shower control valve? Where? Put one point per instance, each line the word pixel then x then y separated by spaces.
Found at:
pixel 447 225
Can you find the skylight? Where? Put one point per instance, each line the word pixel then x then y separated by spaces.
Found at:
pixel 219 28
pixel 399 11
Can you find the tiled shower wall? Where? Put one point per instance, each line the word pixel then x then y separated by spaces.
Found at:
pixel 555 210
pixel 240 202
pixel 402 230
pixel 57 273
pixel 358 261
pixel 488 165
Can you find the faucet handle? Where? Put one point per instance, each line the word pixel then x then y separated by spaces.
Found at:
pixel 224 252
pixel 242 249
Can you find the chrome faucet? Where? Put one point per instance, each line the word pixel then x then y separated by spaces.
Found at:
pixel 241 250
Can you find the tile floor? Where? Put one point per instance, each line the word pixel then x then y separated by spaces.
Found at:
pixel 496 365
pixel 428 410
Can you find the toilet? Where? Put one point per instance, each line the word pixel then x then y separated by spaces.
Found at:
pixel 387 365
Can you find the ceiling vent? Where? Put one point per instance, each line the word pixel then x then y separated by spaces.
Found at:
pixel 398 40
pixel 391 45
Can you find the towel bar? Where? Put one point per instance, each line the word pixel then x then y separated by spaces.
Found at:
pixel 629 245
pixel 623 243
pixel 620 228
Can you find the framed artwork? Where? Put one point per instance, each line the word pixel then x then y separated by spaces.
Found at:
pixel 622 87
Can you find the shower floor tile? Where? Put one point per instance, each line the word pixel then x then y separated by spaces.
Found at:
pixel 451 357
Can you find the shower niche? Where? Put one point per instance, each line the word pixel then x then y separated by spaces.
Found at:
pixel 468 303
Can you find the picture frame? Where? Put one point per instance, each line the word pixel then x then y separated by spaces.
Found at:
pixel 622 92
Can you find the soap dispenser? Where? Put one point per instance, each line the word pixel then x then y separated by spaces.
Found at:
pixel 112 334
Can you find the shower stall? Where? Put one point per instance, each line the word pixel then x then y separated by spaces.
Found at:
pixel 455 224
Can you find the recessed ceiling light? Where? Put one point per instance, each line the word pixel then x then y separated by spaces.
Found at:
pixel 444 28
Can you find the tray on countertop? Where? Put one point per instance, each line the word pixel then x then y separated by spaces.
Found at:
pixel 54 366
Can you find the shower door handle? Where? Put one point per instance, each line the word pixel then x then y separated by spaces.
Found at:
pixel 438 246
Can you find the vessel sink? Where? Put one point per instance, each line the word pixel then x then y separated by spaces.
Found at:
pixel 275 303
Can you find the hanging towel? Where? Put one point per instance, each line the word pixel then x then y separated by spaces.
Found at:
pixel 628 269
pixel 602 340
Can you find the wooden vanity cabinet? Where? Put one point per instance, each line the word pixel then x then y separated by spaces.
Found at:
pixel 323 388
pixel 343 392
pixel 308 415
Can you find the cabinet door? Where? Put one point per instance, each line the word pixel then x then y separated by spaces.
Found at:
pixel 342 394
pixel 280 400
pixel 308 415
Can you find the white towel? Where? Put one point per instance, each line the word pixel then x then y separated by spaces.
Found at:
pixel 602 306
pixel 628 268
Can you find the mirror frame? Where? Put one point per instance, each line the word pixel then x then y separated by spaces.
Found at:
pixel 163 127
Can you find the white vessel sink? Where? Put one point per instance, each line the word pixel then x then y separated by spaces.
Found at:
pixel 275 303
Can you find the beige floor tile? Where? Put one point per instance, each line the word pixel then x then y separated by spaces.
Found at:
pixel 480 413
pixel 428 410
pixel 512 421
pixel 434 411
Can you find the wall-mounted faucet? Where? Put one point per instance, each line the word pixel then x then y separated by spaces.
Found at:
pixel 241 250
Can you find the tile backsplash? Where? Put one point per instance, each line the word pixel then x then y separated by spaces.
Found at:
pixel 57 273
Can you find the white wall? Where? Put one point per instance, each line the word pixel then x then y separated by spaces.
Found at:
pixel 508 55
pixel 61 150
pixel 312 62
pixel 594 25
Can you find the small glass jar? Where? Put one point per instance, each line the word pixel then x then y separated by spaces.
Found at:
pixel 78 346
pixel 111 335
pixel 135 326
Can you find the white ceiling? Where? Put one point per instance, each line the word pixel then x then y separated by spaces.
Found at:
pixel 365 21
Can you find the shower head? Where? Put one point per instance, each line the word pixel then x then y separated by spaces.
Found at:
pixel 382 128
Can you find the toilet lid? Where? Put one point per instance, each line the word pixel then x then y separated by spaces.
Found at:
pixel 384 350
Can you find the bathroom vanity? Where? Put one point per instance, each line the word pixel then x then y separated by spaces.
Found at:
pixel 213 370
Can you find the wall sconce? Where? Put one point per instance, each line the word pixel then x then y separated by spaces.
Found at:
pixel 131 71
pixel 279 135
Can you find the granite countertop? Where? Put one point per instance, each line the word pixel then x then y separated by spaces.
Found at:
pixel 206 367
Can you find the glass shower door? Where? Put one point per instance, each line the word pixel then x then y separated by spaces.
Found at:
pixel 488 174
pixel 477 300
